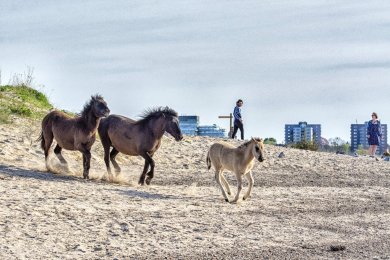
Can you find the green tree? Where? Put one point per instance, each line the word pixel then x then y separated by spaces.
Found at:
pixel 337 144
pixel 270 140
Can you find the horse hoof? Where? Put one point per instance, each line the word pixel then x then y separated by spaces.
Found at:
pixel 147 181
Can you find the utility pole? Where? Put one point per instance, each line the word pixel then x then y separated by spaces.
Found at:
pixel 231 123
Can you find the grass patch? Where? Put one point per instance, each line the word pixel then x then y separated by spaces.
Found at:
pixel 22 101
pixel 27 94
pixel 21 110
pixel 4 117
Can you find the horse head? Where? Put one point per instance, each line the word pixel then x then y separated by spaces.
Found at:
pixel 99 106
pixel 172 127
pixel 258 149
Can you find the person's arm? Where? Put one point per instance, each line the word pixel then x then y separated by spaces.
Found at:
pixel 379 129
pixel 369 129
pixel 237 113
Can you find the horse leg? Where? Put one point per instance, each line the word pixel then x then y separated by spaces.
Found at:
pixel 107 161
pixel 150 174
pixel 113 154
pixel 57 151
pixel 226 184
pixel 86 163
pixel 239 187
pixel 106 145
pixel 47 140
pixel 148 161
pixel 218 174
pixel 250 180
pixel 143 175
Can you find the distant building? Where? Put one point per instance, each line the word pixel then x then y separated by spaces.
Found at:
pixel 189 125
pixel 302 132
pixel 359 137
pixel 211 130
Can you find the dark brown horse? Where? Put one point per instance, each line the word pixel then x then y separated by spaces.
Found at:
pixel 141 137
pixel 77 133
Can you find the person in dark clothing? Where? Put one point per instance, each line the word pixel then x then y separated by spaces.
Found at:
pixel 238 122
pixel 374 134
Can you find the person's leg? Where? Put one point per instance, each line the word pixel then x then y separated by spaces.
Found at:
pixel 240 126
pixel 242 131
pixel 234 131
pixel 374 150
pixel 370 149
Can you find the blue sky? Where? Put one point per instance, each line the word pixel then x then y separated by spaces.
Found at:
pixel 324 62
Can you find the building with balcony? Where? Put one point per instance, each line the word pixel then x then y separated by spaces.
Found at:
pixel 302 132
pixel 211 130
pixel 189 125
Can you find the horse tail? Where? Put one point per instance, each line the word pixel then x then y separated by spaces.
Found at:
pixel 42 140
pixel 47 123
pixel 208 161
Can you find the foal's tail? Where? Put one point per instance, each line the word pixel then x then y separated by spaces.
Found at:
pixel 208 161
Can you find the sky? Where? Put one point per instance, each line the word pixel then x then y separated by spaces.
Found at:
pixel 323 62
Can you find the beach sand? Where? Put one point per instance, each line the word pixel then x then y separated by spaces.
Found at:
pixel 306 205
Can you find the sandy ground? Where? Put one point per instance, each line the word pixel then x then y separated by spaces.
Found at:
pixel 306 205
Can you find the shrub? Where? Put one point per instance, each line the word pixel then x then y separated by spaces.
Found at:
pixel 361 150
pixel 270 140
pixel 304 145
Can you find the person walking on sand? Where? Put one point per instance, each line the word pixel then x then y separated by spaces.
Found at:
pixel 238 123
pixel 374 134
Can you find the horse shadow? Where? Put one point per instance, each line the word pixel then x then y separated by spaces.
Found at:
pixel 147 195
pixel 13 171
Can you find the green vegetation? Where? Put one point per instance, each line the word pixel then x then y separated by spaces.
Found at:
pixel 22 100
pixel 311 146
pixel 361 150
pixel 270 140
pixel 337 145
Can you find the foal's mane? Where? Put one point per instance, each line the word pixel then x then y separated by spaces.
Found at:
pixel 244 145
pixel 156 112
pixel 88 106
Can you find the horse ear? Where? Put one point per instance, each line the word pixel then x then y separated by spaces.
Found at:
pixel 253 139
pixel 257 139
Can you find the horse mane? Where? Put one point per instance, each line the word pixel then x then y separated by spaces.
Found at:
pixel 248 142
pixel 156 112
pixel 88 106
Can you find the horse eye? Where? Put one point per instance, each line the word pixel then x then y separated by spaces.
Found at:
pixel 257 148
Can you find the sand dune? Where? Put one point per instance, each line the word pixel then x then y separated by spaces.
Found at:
pixel 303 206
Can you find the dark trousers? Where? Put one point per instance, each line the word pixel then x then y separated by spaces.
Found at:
pixel 238 125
